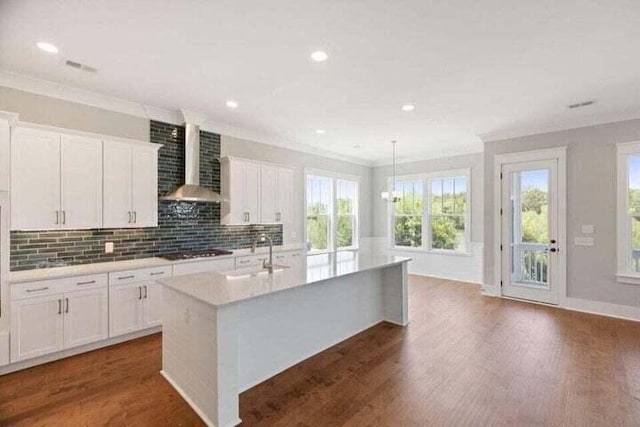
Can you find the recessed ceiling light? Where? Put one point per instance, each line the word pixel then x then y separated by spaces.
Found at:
pixel 47 47
pixel 408 107
pixel 232 104
pixel 320 131
pixel 319 56
pixel 356 146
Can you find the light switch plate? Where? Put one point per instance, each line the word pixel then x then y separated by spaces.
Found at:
pixel 583 241
pixel 588 229
pixel 108 247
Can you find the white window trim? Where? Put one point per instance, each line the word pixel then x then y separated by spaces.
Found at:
pixel 624 273
pixel 333 223
pixel 426 178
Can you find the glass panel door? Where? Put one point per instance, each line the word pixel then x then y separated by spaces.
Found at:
pixel 529 230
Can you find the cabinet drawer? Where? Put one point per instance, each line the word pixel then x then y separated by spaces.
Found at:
pixel 252 260
pixel 54 286
pixel 140 275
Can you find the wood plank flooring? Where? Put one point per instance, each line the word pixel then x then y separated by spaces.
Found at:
pixel 464 360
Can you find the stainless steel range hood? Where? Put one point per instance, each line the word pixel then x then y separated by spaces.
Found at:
pixel 191 191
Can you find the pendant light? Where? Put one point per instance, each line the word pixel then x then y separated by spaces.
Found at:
pixel 395 195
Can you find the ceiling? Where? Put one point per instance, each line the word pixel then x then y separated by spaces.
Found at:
pixel 473 69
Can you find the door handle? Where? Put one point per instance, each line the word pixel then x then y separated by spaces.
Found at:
pixel 552 241
pixel 554 250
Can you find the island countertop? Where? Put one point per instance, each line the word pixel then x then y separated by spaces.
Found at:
pixel 222 288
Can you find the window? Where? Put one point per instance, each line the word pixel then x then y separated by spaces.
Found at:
pixel 629 212
pixel 441 225
pixel 332 212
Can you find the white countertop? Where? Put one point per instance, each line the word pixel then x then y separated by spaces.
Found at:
pixel 221 288
pixel 114 266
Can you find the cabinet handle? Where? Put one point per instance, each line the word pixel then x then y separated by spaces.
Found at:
pixel 64 217
pixel 145 292
pixel 129 213
pixel 126 277
pixel 85 283
pixel 157 273
pixel 57 217
pixel 66 300
pixel 38 289
pixel 135 217
pixel 139 292
pixel 59 306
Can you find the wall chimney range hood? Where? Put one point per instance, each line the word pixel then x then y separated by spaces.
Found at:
pixel 191 191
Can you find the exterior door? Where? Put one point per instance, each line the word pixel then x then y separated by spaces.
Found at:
pixel 530 230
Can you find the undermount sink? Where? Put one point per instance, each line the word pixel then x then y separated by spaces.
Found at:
pixel 254 271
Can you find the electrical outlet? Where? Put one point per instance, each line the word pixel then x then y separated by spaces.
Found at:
pixel 108 247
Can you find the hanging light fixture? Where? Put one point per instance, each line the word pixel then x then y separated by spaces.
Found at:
pixel 394 196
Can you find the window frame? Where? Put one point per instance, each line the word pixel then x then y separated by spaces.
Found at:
pixel 624 256
pixel 427 179
pixel 334 177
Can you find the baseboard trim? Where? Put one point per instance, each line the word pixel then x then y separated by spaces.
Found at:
pixel 190 402
pixel 467 282
pixel 30 363
pixel 607 309
pixel 617 311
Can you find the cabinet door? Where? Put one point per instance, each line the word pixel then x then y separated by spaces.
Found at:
pixel 125 309
pixel 36 327
pixel 269 194
pixel 117 169
pixel 236 182
pixel 35 180
pixel 5 140
pixel 145 187
pixel 285 198
pixel 86 316
pixel 152 304
pixel 81 182
pixel 252 191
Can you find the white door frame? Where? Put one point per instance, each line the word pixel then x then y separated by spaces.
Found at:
pixel 559 153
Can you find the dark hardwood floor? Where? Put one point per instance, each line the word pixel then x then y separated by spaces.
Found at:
pixel 464 360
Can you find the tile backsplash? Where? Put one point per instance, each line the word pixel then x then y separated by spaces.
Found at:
pixel 181 226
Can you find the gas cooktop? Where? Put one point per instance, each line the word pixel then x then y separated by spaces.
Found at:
pixel 196 254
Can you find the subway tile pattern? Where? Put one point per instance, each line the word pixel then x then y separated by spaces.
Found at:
pixel 181 226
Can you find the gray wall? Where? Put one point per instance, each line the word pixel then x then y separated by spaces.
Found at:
pixel 591 199
pixel 49 111
pixel 253 150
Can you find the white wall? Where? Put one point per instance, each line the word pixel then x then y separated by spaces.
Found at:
pixel 299 160
pixel 458 267
pixel 591 199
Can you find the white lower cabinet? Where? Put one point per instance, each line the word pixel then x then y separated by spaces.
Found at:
pixel 135 300
pixel 86 318
pixel 37 327
pixel 57 321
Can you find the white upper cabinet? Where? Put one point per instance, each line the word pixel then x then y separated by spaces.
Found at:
pixel 257 192
pixel 35 180
pixel 81 182
pixel 130 185
pixel 144 201
pixel 241 185
pixel 70 181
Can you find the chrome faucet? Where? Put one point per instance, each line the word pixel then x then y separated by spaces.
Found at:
pixel 263 238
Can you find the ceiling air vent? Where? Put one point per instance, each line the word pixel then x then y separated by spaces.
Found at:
pixel 79 66
pixel 581 104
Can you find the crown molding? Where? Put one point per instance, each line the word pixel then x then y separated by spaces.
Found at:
pixel 548 127
pixel 431 155
pixel 177 117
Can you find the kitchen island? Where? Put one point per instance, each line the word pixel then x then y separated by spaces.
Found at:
pixel 223 333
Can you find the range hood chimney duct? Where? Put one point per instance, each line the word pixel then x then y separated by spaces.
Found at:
pixel 191 191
